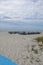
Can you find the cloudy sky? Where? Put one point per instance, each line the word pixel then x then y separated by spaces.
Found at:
pixel 21 10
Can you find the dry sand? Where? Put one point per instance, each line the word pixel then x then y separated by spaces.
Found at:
pixel 22 49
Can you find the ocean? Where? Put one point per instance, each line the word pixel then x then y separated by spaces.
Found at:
pixel 27 26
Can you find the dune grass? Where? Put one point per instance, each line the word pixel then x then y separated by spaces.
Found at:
pixel 39 39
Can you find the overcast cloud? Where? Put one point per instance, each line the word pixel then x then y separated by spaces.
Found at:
pixel 21 9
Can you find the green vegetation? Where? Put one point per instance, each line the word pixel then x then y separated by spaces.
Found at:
pixel 39 39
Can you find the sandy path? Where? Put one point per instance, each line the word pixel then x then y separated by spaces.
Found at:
pixel 18 48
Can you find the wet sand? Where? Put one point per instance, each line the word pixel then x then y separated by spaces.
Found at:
pixel 22 49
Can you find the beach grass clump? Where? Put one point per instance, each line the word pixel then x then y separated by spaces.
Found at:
pixel 40 42
pixel 39 39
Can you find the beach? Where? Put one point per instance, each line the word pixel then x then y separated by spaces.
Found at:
pixel 19 48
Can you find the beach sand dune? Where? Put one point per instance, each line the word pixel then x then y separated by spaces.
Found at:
pixel 22 49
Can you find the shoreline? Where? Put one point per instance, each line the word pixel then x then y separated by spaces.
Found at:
pixel 21 30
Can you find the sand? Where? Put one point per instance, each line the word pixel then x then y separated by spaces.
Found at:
pixel 22 49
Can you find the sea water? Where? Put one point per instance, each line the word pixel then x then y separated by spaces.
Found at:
pixel 27 26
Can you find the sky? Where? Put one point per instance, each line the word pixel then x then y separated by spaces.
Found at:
pixel 21 10
pixel 21 14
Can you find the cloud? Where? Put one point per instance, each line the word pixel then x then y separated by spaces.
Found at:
pixel 21 9
pixel 34 1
